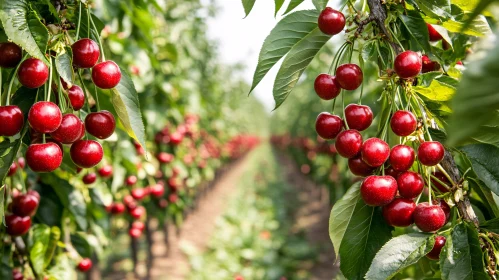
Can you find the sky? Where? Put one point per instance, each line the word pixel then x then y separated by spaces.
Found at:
pixel 240 39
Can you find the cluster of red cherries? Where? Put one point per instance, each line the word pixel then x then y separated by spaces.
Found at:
pixel 398 186
pixel 45 117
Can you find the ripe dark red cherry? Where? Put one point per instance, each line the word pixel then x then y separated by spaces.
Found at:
pixel 76 97
pixel 375 152
pixel 430 153
pixel 86 153
pixel 157 190
pixel 33 73
pixel 399 212
pixel 106 75
pixel 100 124
pixel 408 64
pixel 83 130
pixel 17 274
pixel 392 172
pixel 10 55
pixel 428 217
pixel 410 184
pixel 138 225
pixel 434 254
pixel 176 138
pixel 378 190
pixel 139 193
pixel 17 225
pixel 349 76
pixel 45 117
pixel 403 123
pixel 26 204
pixel 137 212
pixel 433 33
pixel 117 208
pixel 358 117
pixel 85 265
pixel 131 180
pixel 348 143
pixel 12 169
pixel 401 157
pixel 429 65
pixel 331 22
pixel 326 86
pixel 85 53
pixel 69 131
pixel 106 171
pixel 45 157
pixel 358 167
pixel 444 207
pixel 328 125
pixel 12 120
pixel 90 178
pixel 134 233
pixel 442 178
pixel 165 157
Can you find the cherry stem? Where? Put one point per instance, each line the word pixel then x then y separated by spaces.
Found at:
pixel 425 121
pixel 441 169
pixel 59 93
pixel 337 57
pixel 98 35
pixel 334 104
pixel 85 90
pixel 429 185
pixel 79 22
pixel 361 92
pixel 51 69
pixel 440 182
pixel 343 101
pixel 43 138
pixel 97 98
pixel 7 102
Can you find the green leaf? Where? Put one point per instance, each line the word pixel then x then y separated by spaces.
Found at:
pixel 320 4
pixel 287 33
pixel 491 225
pixel 91 33
pixel 248 5
pixel 63 268
pixel 461 257
pixel 64 68
pixel 24 98
pixel 437 91
pixel 298 58
pixel 126 103
pixel 485 195
pixel 278 5
pixel 292 5
pixel 40 239
pixel 485 158
pixel 81 245
pixel 476 27
pixel 9 151
pixel 5 271
pixel 435 8
pixel 417 29
pixel 399 253
pixel 24 28
pixel 2 204
pixel 466 5
pixel 55 235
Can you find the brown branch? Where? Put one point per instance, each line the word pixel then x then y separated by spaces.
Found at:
pixel 378 15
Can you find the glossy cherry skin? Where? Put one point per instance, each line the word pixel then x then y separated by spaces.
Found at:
pixel 434 254
pixel 100 124
pixel 12 120
pixel 137 212
pixel 157 190
pixel 349 76
pixel 432 32
pixel 85 265
pixel 375 152
pixel 165 157
pixel 10 55
pixel 134 232
pixel 106 171
pixel 326 86
pixel 90 178
pixel 331 22
pixel 45 157
pixel 106 75
pixel 378 190
pixel 358 167
pixel 139 194
pixel 86 153
pixel 358 117
pixel 131 180
pixel 399 212
pixel 444 207
pixel 410 184
pixel 12 169
pixel 76 97
pixel 328 126
pixel 429 65
pixel 403 123
pixel 401 157
pixel 33 73
pixel 16 225
pixel 348 143
pixel 45 117
pixel 25 204
pixel 117 208
pixel 429 218
pixel 442 178
pixel 408 64
pixel 430 153
pixel 69 131
pixel 83 130
pixel 85 53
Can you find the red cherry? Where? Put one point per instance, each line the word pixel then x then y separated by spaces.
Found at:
pixel 90 178
pixel 26 204
pixel 165 158
pixel 326 86
pixel 358 117
pixel 12 120
pixel 83 130
pixel 139 193
pixel 444 207
pixel 429 218
pixel 117 208
pixel 434 254
pixel 106 75
pixel 100 124
pixel 331 22
pixel 408 64
pixel 358 167
pixel 45 117
pixel 137 212
pixel 399 212
pixel 173 197
pixel 442 178
pixel 403 123
pixel 430 153
pixel 85 53
pixel 17 225
pixel 176 138
pixel 12 169
pixel 348 143
pixel 138 225
pixel 45 157
pixel 131 180
pixel 134 233
pixel 163 203
pixel 349 76
pixel 106 171
pixel 157 190
pixel 33 73
pixel 69 131
pixel 375 152
pixel 86 153
pixel 10 55
pixel 429 65
pixel 76 97
pixel 34 193
pixel 22 162
pixel 433 33
pixel 328 125
pixel 402 157
pixel 378 190
pixel 85 265
pixel 410 184
pixel 17 274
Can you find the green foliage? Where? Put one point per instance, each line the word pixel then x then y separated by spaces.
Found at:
pixel 484 160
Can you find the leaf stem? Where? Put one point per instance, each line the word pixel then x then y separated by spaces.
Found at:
pixel 85 90
pixel 429 185
pixel 79 22
pixel 7 102
pixel 51 69
pixel 343 101
pixel 97 98
pixel 98 35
